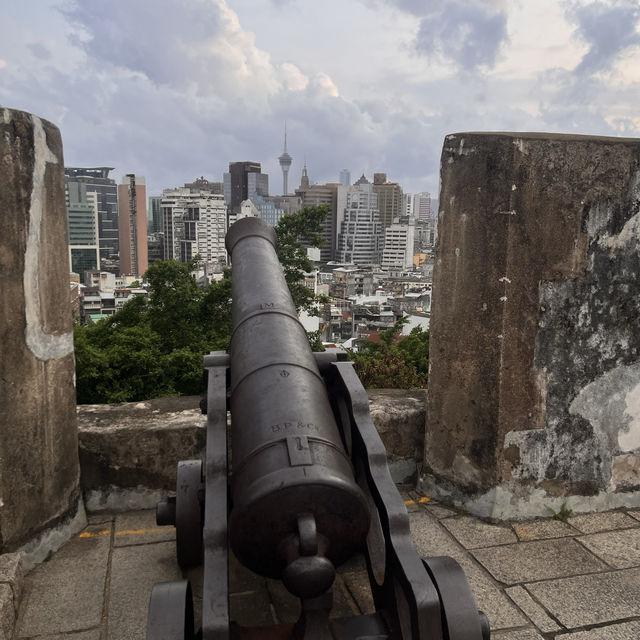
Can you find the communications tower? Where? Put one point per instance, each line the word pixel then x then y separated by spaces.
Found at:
pixel 285 161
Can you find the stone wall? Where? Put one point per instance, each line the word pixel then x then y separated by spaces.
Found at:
pixel 129 451
pixel 534 389
pixel 39 470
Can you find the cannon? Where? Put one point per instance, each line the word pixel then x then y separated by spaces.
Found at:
pixel 309 486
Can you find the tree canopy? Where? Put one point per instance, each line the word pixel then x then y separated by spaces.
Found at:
pixel 395 362
pixel 154 346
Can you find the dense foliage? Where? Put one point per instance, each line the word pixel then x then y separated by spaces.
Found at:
pixel 395 362
pixel 153 347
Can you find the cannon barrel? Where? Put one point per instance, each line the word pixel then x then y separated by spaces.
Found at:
pixel 297 510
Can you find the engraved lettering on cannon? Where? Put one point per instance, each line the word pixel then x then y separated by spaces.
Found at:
pixel 287 426
pixel 268 305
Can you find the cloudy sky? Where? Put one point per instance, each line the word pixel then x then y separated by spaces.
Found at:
pixel 175 89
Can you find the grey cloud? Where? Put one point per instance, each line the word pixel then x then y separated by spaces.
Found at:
pixel 39 50
pixel 125 115
pixel 607 28
pixel 416 7
pixel 468 33
pixel 153 38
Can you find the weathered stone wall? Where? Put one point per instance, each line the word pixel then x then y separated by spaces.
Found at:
pixel 534 389
pixel 39 470
pixel 129 451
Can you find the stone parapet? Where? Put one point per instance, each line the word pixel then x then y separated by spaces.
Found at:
pixel 129 452
pixel 535 329
pixel 39 470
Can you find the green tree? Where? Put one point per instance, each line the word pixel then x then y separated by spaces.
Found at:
pixel 295 232
pixel 395 362
pixel 174 305
pixel 154 346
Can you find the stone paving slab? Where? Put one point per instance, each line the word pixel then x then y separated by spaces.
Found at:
pixel 607 521
pixel 253 608
pixel 593 599
pixel 139 527
pixel 431 539
pixel 360 591
pixel 517 634
pixel 624 631
pixel 538 560
pixel 439 511
pixel 543 529
pixel 94 634
pixel 134 571
pixel 591 602
pixel 66 593
pixel 472 533
pixel 532 609
pixel 619 549
pixel 634 513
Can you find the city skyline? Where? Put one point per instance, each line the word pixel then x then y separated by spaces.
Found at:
pixel 374 86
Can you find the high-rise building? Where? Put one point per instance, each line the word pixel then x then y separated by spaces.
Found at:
pixel 397 254
pixel 422 206
pixel 389 199
pixel 195 222
pixel 322 194
pixel 407 204
pixel 96 180
pixel 285 161
pixel 345 177
pixel 132 226
pixel 359 240
pixel 82 228
pixel 243 180
pixel 154 214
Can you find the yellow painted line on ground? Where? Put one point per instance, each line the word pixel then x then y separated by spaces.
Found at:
pixel 419 501
pixel 89 534
pixel 139 532
pixel 125 532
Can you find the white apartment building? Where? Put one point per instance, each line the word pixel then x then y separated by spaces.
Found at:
pixel 422 206
pixel 195 222
pixel 407 204
pixel 397 254
pixel 359 238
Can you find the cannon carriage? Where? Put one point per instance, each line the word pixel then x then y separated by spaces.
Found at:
pixel 310 486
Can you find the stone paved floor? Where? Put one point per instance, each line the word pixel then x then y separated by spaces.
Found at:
pixel 543 579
